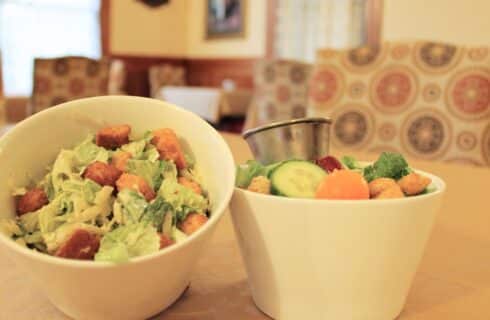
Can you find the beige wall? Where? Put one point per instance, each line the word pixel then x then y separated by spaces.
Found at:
pixel 177 29
pixel 457 21
pixel 252 45
pixel 139 30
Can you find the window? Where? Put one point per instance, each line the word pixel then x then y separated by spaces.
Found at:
pixel 44 29
pixel 303 26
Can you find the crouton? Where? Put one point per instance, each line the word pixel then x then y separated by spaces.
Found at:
pixel 113 137
pixel 194 186
pixel 119 160
pixel 413 183
pixel 260 184
pixel 102 173
pixel 390 193
pixel 165 241
pixel 379 185
pixel 168 145
pixel 80 245
pixel 192 223
pixel 131 181
pixel 31 201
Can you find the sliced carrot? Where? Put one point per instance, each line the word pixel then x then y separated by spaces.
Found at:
pixel 343 184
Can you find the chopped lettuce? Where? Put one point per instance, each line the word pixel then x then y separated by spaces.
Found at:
pixel 136 148
pixel 182 199
pixel 350 162
pixel 84 188
pixel 156 212
pixel 10 228
pixel 151 153
pixel 148 170
pixel 133 205
pixel 388 165
pixel 128 241
pixel 30 221
pixel 245 173
pixel 87 152
pixel 63 169
pixel 47 215
pixel 169 170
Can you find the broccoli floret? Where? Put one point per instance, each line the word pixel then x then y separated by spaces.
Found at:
pixel 388 165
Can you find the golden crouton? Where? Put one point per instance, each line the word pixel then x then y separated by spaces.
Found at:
pixel 260 184
pixel 192 223
pixel 80 245
pixel 190 184
pixel 413 183
pixel 119 160
pixel 31 201
pixel 113 137
pixel 102 173
pixel 131 181
pixel 379 185
pixel 167 144
pixel 391 193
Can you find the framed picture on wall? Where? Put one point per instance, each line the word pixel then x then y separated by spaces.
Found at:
pixel 225 19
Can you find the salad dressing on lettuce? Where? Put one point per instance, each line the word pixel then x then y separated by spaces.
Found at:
pixel 111 198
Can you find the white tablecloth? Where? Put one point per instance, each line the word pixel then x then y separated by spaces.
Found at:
pixel 209 103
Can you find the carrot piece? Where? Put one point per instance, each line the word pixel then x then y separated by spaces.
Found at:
pixel 343 184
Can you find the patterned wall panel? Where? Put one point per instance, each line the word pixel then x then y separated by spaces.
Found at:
pixel 429 100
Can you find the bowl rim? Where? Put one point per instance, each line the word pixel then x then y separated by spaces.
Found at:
pixel 217 212
pixel 246 134
pixel 437 181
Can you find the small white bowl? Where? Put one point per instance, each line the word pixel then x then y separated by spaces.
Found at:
pixel 96 290
pixel 332 259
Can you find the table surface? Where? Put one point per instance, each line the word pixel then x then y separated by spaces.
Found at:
pixel 453 280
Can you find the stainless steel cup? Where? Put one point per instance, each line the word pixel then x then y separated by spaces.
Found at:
pixel 305 139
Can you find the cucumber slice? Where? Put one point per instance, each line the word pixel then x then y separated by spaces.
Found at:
pixel 296 179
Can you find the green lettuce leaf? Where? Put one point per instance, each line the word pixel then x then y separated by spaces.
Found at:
pixel 246 172
pixel 128 241
pixel 169 170
pixel 136 148
pixel 182 199
pixel 10 228
pixel 156 212
pixel 63 169
pixel 87 152
pixel 148 170
pixel 30 221
pixel 85 188
pixel 47 215
pixel 133 205
pixel 151 153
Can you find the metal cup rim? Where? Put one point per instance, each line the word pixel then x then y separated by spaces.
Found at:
pixel 285 123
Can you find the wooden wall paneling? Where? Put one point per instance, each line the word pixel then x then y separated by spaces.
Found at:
pixel 212 72
pixel 104 16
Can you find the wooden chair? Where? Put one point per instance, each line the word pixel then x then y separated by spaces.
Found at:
pixel 428 100
pixel 67 78
pixel 280 92
pixel 165 75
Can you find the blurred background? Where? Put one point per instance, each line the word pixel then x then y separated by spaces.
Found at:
pixel 411 76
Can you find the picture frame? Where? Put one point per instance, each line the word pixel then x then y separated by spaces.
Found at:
pixel 225 19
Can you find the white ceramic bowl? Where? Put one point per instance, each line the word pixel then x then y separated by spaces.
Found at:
pixel 332 259
pixel 96 290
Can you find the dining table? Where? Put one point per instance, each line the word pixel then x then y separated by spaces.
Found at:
pixel 452 281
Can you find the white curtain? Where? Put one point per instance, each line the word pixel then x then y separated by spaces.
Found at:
pixel 303 26
pixel 44 28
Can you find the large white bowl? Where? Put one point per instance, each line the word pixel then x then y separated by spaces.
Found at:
pixel 96 290
pixel 332 259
